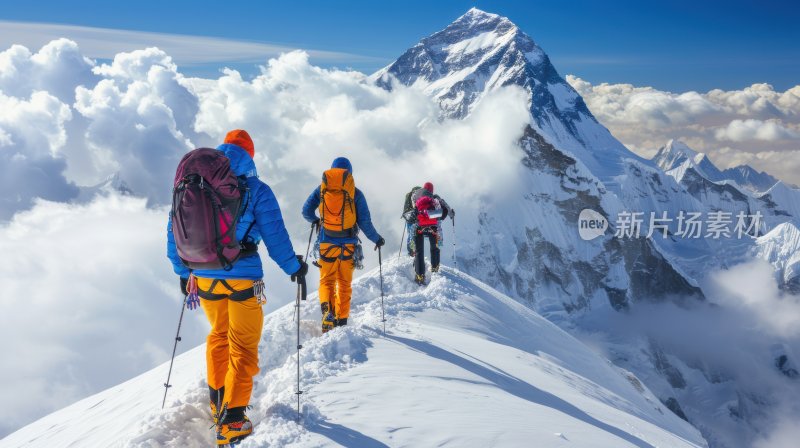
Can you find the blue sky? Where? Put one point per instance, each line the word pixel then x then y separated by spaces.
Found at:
pixel 673 45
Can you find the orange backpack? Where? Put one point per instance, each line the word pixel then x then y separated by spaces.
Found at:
pixel 337 208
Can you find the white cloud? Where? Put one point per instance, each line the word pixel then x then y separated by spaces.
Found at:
pixel 756 123
pixel 784 434
pixel 139 121
pixel 752 289
pixel 32 133
pixel 751 129
pixel 36 124
pixel 57 68
pixel 86 289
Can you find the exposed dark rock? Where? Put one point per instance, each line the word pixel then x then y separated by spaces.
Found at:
pixel 672 404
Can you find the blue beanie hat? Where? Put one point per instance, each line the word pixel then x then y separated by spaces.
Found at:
pixel 342 162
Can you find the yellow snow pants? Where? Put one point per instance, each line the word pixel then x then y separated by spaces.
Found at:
pixel 232 344
pixel 335 277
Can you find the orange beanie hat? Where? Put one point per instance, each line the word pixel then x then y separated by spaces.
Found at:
pixel 241 138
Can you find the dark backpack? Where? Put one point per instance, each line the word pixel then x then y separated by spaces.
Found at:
pixel 408 205
pixel 208 200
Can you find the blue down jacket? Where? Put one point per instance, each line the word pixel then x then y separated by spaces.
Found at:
pixel 264 209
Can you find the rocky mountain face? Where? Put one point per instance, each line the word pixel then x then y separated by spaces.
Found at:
pixel 529 245
pixel 750 178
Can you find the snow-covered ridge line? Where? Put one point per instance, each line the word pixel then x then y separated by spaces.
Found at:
pixel 460 364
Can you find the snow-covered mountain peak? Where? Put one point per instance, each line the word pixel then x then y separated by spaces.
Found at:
pixel 457 358
pixel 677 159
pixel 112 184
pixel 479 53
pixel 476 17
pixel 676 153
pixel 477 49
pixel 750 178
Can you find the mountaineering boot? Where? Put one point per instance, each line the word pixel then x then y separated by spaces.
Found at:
pixel 233 432
pixel 341 322
pixel 328 319
pixel 420 279
pixel 435 269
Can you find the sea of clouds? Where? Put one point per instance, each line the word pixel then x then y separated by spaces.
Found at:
pixel 756 125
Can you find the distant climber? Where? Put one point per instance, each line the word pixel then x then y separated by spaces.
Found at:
pixel 221 211
pixel 410 216
pixel 424 220
pixel 343 211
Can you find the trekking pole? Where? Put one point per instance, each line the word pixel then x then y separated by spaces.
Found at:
pixel 174 348
pixel 308 249
pixel 402 239
pixel 301 294
pixel 380 269
pixel 455 262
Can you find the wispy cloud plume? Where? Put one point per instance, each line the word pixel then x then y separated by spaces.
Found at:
pixel 105 43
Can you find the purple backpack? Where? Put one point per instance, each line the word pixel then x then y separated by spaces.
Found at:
pixel 207 202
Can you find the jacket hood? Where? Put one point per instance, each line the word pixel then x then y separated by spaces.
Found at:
pixel 241 162
pixel 342 162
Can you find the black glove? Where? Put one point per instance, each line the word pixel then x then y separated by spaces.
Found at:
pixel 300 273
pixel 315 224
pixel 184 285
pixel 380 243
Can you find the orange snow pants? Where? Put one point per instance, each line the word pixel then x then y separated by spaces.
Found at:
pixel 335 277
pixel 232 344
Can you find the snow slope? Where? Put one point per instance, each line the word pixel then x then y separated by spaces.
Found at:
pixel 460 365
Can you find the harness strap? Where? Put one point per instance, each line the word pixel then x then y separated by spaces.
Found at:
pixel 236 296
pixel 345 254
pixel 432 230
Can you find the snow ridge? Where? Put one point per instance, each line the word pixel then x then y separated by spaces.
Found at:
pixel 460 364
